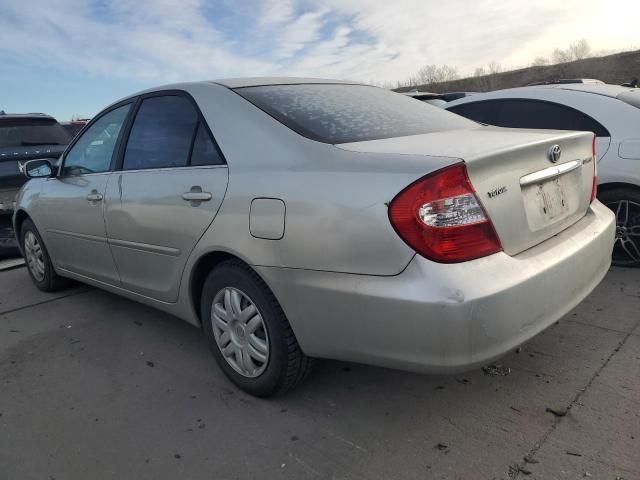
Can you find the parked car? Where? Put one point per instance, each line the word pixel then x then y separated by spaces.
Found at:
pixel 437 99
pixel 22 137
pixel 74 126
pixel 25 137
pixel 300 218
pixel 564 81
pixel 612 112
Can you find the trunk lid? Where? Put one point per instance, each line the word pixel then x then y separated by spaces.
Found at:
pixel 528 197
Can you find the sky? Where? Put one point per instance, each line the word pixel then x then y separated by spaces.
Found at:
pixel 74 57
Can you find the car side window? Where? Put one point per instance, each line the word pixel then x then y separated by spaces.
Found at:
pixel 161 134
pixel 94 150
pixel 204 150
pixel 528 113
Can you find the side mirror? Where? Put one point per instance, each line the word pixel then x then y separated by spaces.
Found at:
pixel 41 168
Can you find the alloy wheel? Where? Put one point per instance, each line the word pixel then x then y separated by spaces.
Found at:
pixel 626 250
pixel 240 332
pixel 34 255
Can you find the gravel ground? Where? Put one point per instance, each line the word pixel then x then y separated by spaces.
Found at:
pixel 93 386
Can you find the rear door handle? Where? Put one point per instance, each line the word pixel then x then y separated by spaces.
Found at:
pixel 196 196
pixel 94 196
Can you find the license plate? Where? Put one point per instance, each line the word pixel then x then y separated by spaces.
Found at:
pixel 551 201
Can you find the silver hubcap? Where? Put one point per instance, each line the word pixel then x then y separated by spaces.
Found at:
pixel 34 256
pixel 240 332
pixel 626 249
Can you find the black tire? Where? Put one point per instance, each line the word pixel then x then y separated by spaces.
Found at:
pixel 625 203
pixel 51 281
pixel 287 365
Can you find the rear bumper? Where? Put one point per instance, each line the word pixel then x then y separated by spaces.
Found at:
pixel 444 318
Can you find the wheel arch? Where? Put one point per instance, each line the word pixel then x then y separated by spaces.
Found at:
pixel 18 220
pixel 605 187
pixel 201 269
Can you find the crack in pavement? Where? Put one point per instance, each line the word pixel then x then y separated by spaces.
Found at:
pixel 43 302
pixel 606 329
pixel 538 445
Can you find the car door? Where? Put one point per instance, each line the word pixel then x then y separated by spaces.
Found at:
pixel 70 207
pixel 167 192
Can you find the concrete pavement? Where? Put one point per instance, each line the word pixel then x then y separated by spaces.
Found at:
pixel 93 386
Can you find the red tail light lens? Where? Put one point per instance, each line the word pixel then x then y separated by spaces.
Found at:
pixel 594 184
pixel 440 217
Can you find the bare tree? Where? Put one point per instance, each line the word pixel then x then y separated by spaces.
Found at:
pixel 429 74
pixel 576 51
pixel 561 56
pixel 494 67
pixel 479 72
pixel 540 62
pixel 448 73
pixel 580 50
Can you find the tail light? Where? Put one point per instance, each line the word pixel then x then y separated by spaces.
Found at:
pixel 594 185
pixel 439 216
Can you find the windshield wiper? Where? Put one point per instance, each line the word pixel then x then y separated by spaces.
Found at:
pixel 34 144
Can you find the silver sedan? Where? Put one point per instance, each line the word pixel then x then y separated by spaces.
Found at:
pixel 300 218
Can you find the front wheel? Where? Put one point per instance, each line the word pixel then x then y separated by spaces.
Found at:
pixel 248 332
pixel 38 261
pixel 625 203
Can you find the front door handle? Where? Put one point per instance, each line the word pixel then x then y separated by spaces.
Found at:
pixel 196 195
pixel 94 196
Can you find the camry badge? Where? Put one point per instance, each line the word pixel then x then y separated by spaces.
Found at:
pixel 497 191
pixel 554 153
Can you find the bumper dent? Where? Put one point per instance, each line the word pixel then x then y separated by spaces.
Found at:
pixel 445 318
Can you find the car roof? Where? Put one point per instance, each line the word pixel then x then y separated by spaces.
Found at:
pixel 261 81
pixel 607 90
pixel 9 116
pixel 597 88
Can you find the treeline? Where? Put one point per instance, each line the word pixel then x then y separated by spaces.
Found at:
pixel 432 74
pixel 576 61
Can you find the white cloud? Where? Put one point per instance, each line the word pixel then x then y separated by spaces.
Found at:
pixel 299 32
pixel 166 40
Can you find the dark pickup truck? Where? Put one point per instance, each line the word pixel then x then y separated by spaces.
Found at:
pixel 25 136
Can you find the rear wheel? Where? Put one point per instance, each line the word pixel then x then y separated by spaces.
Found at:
pixel 38 261
pixel 625 203
pixel 248 332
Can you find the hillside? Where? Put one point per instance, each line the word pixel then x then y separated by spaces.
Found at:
pixel 616 69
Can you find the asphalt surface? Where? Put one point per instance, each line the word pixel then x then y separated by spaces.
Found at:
pixel 93 386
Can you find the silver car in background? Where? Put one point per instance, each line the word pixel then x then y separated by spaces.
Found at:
pixel 301 218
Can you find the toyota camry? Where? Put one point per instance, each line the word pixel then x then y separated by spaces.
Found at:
pixel 293 219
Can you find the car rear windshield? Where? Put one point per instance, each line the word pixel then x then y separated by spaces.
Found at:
pixel 337 113
pixel 23 132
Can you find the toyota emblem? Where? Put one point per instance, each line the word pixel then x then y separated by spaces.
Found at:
pixel 554 153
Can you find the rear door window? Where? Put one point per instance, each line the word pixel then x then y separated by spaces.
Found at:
pixel 338 113
pixel 161 134
pixel 528 113
pixel 204 150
